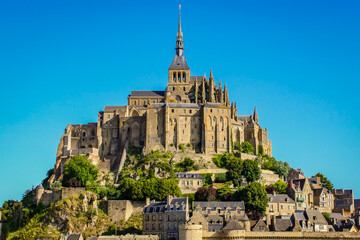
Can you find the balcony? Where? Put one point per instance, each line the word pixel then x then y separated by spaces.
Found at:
pixel 300 199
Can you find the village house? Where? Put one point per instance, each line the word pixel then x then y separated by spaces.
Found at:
pixel 310 220
pixel 163 218
pixel 295 174
pixel 300 190
pixel 190 182
pixel 323 200
pixel 280 204
pixel 344 201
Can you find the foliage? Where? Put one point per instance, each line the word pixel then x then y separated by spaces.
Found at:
pixel 251 171
pixel 224 193
pixel 153 188
pixel 207 179
pixel 182 147
pixel 132 226
pixel 247 148
pixel 56 185
pixel 326 215
pixel 220 178
pixel 255 197
pixel 205 194
pixel 324 181
pixel 186 165
pixel 279 167
pixel 279 187
pixel 80 168
pixel 235 169
pixel 220 160
pixel 261 150
pixel 237 146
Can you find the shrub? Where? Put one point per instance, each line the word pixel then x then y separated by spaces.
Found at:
pixel 186 165
pixel 251 171
pixel 80 168
pixel 182 147
pixel 220 177
pixel 247 148
pixel 207 179
pixel 205 194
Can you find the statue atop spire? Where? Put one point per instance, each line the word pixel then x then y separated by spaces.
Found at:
pixel 179 40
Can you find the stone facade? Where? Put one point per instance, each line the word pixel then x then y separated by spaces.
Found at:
pixel 280 204
pixel 122 210
pixel 189 182
pixel 50 196
pixel 192 110
pixel 300 190
pixel 129 237
pixel 344 201
pixel 323 200
pixel 164 218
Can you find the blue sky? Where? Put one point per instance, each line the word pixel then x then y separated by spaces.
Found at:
pixel 297 61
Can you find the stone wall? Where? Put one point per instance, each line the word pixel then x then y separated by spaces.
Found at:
pixel 268 177
pixel 129 237
pixel 50 196
pixel 122 210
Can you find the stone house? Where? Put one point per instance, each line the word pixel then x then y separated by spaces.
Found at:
pixel 323 200
pixel 310 221
pixel 217 214
pixel 344 201
pixel 300 190
pixel 280 204
pixel 191 110
pixel 295 174
pixel 259 226
pixel 190 182
pixel 163 218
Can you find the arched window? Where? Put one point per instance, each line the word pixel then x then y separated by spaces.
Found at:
pixel 174 77
pixel 179 77
pixel 184 77
pixel 84 134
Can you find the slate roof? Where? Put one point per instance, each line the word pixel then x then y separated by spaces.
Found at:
pixel 316 216
pixel 341 203
pixel 317 192
pixel 244 118
pixel 232 225
pixel 337 216
pixel 197 78
pixel 179 63
pixel 214 105
pixel 282 225
pixel 189 175
pixel 178 204
pixel 280 198
pixel 215 222
pixel 357 203
pixel 298 182
pixel 74 236
pixel 112 108
pixel 222 205
pixel 147 94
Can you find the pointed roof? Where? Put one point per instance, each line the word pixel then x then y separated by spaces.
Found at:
pixel 233 225
pixel 179 61
pixel 211 74
pixel 255 116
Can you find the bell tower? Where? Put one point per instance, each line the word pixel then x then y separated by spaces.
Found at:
pixel 179 71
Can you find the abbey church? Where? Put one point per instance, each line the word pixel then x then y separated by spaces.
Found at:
pixel 193 110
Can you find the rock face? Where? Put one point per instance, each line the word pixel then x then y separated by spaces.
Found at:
pixel 78 213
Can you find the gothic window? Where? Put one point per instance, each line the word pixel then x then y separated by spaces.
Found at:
pixel 184 89
pixel 179 77
pixel 84 134
pixel 178 98
pixel 174 77
pixel 184 77
pixel 190 111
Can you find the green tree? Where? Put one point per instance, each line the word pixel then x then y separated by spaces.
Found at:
pixel 325 182
pixel 235 169
pixel 207 179
pixel 261 150
pixel 220 177
pixel 81 169
pixel 186 165
pixel 237 146
pixel 251 170
pixel 167 187
pixel 205 194
pixel 131 189
pixel 246 147
pixel 255 197
pixel 279 186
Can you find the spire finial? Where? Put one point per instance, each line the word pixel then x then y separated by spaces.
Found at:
pixel 211 74
pixel 179 40
pixel 255 115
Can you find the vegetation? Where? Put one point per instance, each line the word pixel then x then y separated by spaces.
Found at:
pixel 182 147
pixel 255 197
pixel 186 165
pixel 207 179
pixel 220 178
pixel 279 187
pixel 80 169
pixel 324 181
pixel 133 226
pixel 247 148
pixel 270 163
pixel 326 215
pixel 251 171
pixel 205 194
pixel 224 193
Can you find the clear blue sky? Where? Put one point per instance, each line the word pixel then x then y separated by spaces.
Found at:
pixel 298 61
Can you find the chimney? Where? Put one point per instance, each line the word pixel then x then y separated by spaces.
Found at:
pixel 147 201
pixel 169 199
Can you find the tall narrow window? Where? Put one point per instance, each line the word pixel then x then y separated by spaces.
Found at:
pixel 184 77
pixel 174 77
pixel 179 77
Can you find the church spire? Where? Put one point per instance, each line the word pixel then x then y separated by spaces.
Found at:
pixel 255 115
pixel 179 40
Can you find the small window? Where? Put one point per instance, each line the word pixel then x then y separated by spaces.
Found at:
pixel 184 89
pixel 174 78
pixel 210 110
pixel 184 77
pixel 184 110
pixel 172 110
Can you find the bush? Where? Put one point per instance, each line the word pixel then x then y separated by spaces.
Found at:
pixel 207 179
pixel 205 194
pixel 224 193
pixel 237 146
pixel 80 168
pixel 279 187
pixel 235 169
pixel 247 148
pixel 182 147
pixel 220 177
pixel 186 165
pixel 279 167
